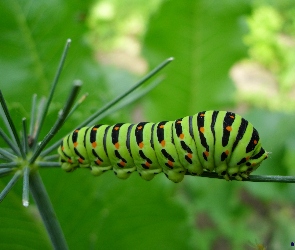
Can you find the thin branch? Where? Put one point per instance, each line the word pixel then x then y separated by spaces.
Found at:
pixel 271 178
pixel 119 98
pixel 109 111
pixel 33 115
pixel 126 101
pixel 26 183
pixel 57 143
pixel 10 184
pixel 4 118
pixel 62 116
pixel 25 136
pixel 11 124
pixel 53 86
pixel 77 104
pixel 104 110
pixel 10 143
pixel 7 155
pixel 51 157
pixel 5 171
pixel 45 164
pixel 254 178
pixel 47 213
pixel 54 146
pixel 40 110
pixel 9 165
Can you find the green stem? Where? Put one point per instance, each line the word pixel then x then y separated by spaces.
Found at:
pixel 5 171
pixel 126 101
pixel 25 136
pixel 119 98
pixel 10 143
pixel 7 155
pixel 33 114
pixel 26 183
pixel 9 164
pixel 10 184
pixel 53 86
pixel 43 164
pixel 77 104
pixel 11 124
pixel 254 178
pixel 105 110
pixel 47 213
pixel 60 121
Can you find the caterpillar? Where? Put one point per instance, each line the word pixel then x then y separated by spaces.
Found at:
pixel 218 141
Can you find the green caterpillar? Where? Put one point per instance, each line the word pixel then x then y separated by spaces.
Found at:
pixel 218 141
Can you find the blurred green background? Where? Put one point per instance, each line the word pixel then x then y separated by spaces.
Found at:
pixel 229 55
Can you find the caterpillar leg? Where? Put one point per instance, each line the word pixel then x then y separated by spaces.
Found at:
pixel 97 171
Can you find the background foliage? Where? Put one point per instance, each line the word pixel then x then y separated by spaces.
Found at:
pixel 114 43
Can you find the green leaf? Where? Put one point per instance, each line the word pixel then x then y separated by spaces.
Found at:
pixel 94 213
pixel 33 35
pixel 20 227
pixel 108 213
pixel 205 37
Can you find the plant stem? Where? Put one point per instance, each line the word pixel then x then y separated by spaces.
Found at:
pixel 46 211
pixel 25 136
pixel 42 164
pixel 11 125
pixel 33 114
pixel 61 119
pixel 53 86
pixel 102 112
pixel 26 183
pixel 5 171
pixel 254 178
pixel 10 143
pixel 122 96
pixel 9 164
pixel 7 155
pixel 10 184
pixel 126 101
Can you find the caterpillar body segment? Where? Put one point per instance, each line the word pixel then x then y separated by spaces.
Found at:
pixel 99 161
pixel 119 151
pixel 142 150
pixel 185 145
pixel 166 151
pixel 218 141
pixel 204 139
